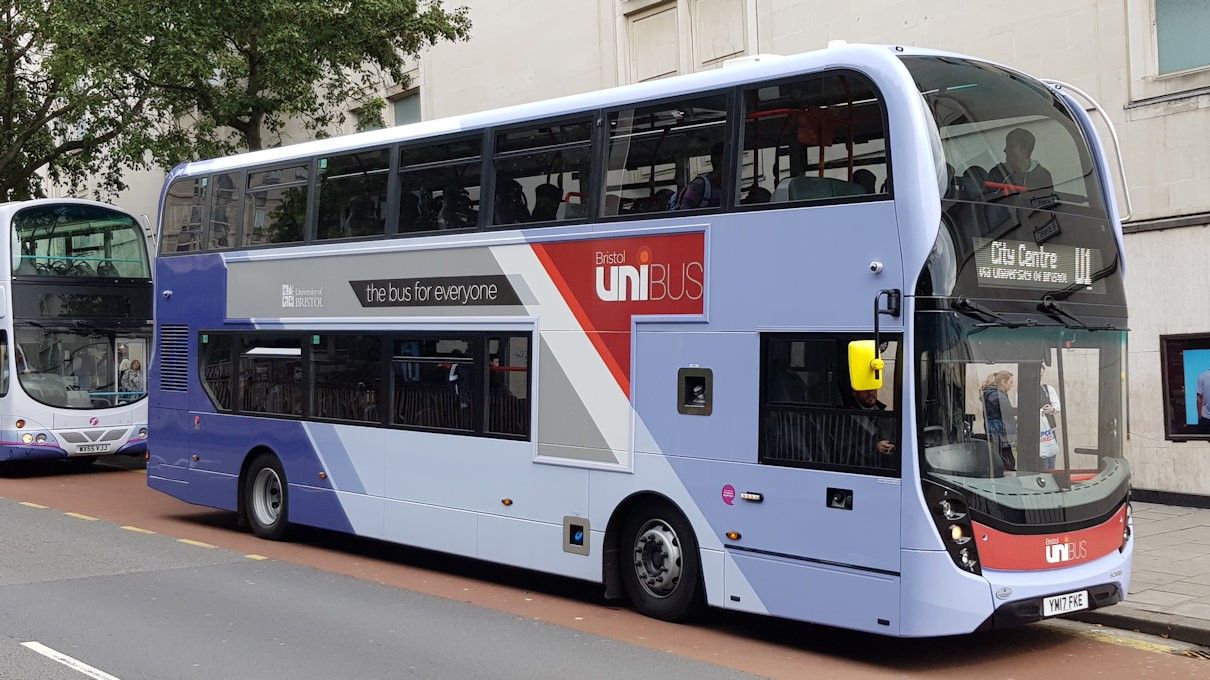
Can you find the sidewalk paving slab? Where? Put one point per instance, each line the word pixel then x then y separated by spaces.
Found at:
pixel 1170 582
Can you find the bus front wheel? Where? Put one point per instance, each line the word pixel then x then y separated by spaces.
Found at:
pixel 265 499
pixel 660 561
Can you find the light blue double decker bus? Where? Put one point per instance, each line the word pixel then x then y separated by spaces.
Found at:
pixel 837 337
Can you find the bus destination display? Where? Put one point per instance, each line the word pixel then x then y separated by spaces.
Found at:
pixel 1020 264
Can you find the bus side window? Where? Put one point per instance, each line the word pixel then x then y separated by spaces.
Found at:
pixel 4 372
pixel 182 219
pixel 439 185
pixel 816 139
pixel 657 152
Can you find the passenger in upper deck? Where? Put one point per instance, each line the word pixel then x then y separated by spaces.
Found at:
pixel 1018 168
pixel 705 190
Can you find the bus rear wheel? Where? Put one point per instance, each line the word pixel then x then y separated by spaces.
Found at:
pixel 266 502
pixel 661 565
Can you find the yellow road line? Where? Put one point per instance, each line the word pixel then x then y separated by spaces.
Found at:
pixel 1106 636
pixel 34 505
pixel 256 557
pixel 199 544
pixel 77 515
pixel 137 530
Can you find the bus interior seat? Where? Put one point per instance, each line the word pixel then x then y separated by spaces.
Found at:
pixel 807 187
pixel 107 268
pixel 571 211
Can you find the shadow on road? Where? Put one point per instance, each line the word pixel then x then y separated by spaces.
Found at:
pixel 26 469
pixel 881 653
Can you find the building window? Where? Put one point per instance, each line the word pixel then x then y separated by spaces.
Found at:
pixel 812 418
pixel 1181 27
pixel 406 109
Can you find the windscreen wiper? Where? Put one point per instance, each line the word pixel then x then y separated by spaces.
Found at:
pixel 970 308
pixel 1052 308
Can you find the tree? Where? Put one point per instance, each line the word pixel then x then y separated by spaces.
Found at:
pixel 91 88
pixel 238 70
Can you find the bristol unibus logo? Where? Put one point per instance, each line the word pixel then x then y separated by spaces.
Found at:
pixel 1058 551
pixel 293 296
pixel 622 276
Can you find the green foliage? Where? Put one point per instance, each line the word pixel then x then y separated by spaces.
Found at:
pixel 91 88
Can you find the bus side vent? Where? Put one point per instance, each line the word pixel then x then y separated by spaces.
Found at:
pixel 174 358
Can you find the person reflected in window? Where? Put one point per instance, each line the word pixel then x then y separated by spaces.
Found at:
pixel 706 190
pixel 1019 169
pixel 1000 416
pixel 1203 401
pixel 546 202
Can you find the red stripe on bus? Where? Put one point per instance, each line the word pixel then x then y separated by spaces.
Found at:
pixel 1017 552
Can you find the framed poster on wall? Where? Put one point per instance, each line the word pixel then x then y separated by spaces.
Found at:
pixel 1185 367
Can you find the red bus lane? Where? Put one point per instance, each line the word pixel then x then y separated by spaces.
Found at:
pixel 767 647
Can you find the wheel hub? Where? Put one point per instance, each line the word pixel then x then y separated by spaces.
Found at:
pixel 266 497
pixel 657 558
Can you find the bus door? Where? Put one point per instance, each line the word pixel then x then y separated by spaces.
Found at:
pixel 821 508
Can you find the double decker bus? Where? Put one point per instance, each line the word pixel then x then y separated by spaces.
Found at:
pixel 836 337
pixel 75 331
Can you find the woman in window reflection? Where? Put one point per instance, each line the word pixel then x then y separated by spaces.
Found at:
pixel 131 380
pixel 1001 416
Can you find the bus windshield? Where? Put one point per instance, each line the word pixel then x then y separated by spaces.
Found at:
pixel 1022 206
pixel 82 368
pixel 1028 422
pixel 78 240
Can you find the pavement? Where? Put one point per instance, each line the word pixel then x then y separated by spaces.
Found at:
pixel 1170 585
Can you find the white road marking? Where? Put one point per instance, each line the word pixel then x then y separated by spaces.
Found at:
pixel 66 660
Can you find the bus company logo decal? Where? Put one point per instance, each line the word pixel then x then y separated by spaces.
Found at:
pixel 608 281
pixel 293 297
pixel 94 421
pixel 1062 550
pixel 623 276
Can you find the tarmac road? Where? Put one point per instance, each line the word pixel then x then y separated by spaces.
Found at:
pixel 149 605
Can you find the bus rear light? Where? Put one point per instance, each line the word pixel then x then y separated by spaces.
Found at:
pixel 41 439
pixel 20 423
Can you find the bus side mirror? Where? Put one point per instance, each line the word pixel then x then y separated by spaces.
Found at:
pixel 865 366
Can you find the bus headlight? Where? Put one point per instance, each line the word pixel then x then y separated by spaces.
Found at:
pixel 142 433
pixel 952 519
pixel 28 438
pixel 41 439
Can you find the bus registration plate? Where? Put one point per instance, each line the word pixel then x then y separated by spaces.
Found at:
pixel 1062 604
pixel 93 448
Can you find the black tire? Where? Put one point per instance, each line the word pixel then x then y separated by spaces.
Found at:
pixel 266 501
pixel 660 563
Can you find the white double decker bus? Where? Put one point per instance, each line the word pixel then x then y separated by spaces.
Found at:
pixel 75 321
